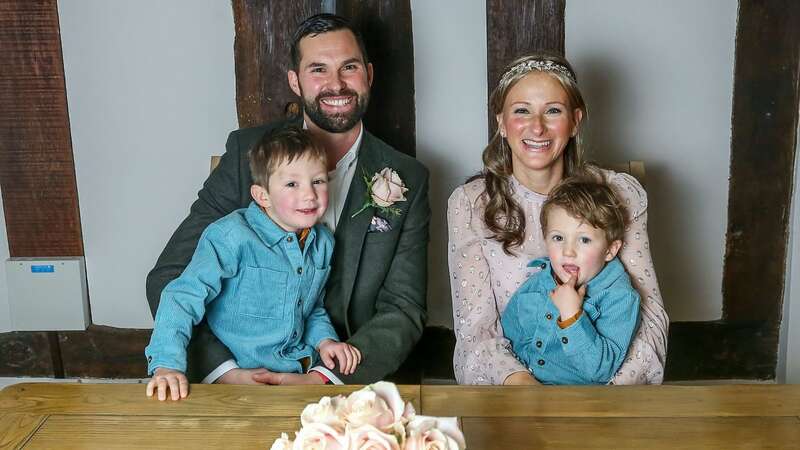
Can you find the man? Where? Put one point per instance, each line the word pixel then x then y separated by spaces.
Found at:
pixel 375 295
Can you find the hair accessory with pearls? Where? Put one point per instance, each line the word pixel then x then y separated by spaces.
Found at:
pixel 540 65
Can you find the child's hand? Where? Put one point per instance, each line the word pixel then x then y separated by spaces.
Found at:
pixel 171 379
pixel 567 299
pixel 349 357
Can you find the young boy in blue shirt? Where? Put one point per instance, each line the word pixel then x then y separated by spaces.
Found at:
pixel 258 275
pixel 572 322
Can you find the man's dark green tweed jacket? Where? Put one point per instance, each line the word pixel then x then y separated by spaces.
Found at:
pixel 376 291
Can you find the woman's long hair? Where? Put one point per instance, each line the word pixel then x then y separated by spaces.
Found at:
pixel 504 216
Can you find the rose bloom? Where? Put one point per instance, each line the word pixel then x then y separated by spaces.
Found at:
pixel 327 411
pixel 318 436
pixel 378 405
pixel 282 443
pixel 434 433
pixel 367 437
pixel 387 188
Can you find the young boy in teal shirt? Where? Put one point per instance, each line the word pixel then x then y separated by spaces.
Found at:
pixel 258 275
pixel 572 322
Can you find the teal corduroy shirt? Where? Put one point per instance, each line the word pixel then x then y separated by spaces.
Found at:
pixel 589 351
pixel 262 295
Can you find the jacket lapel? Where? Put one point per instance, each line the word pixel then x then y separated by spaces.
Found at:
pixel 353 230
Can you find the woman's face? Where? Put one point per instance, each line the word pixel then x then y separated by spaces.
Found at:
pixel 537 121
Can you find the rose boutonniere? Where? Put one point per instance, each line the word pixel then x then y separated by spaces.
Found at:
pixel 384 189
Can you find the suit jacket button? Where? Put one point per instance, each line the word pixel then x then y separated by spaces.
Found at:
pixel 548 316
pixel 289 239
pixel 540 362
pixel 564 340
pixel 299 270
pixel 538 344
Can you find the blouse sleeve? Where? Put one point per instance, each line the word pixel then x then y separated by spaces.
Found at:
pixel 482 354
pixel 644 362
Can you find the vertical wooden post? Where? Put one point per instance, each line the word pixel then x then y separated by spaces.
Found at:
pixel 516 28
pixel 264 31
pixel 387 31
pixel 37 172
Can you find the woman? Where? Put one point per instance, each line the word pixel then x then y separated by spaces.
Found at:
pixel 494 230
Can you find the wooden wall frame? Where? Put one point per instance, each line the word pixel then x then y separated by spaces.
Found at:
pixel 744 343
pixel 37 171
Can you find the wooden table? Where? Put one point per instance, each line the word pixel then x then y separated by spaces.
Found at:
pixel 110 416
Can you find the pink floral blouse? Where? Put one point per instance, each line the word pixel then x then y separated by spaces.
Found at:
pixel 483 278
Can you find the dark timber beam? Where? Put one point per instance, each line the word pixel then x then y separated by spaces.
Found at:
pixel 387 31
pixel 516 28
pixel 37 173
pixel 261 53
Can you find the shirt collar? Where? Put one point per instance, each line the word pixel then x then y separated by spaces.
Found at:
pixel 603 280
pixel 352 153
pixel 267 230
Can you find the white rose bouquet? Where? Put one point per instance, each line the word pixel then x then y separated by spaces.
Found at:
pixel 373 418
pixel 384 189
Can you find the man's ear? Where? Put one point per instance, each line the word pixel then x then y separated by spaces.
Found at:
pixel 260 196
pixel 613 249
pixel 369 74
pixel 294 82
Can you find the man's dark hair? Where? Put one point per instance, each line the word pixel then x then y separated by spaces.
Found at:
pixel 323 23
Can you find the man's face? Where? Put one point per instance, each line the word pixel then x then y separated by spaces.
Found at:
pixel 332 80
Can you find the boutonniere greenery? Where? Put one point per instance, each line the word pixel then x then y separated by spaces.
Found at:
pixel 384 189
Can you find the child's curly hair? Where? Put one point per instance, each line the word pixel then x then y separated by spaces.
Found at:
pixel 588 197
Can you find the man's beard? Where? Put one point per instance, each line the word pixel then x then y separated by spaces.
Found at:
pixel 335 123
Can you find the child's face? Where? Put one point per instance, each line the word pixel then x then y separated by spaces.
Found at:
pixel 576 248
pixel 298 194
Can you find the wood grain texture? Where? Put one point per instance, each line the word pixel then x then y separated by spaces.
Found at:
pixel 264 31
pixel 217 416
pixel 179 433
pixel 386 28
pixel 765 108
pixel 721 350
pixel 516 28
pixel 26 353
pixel 37 172
pixel 203 401
pixel 616 401
pixel 707 433
pixel 104 352
pixel 16 428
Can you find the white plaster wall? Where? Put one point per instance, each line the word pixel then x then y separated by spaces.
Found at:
pixel 658 79
pixel 788 369
pixel 451 98
pixel 5 314
pixel 151 95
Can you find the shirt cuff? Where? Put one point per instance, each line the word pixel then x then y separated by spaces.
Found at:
pixel 324 370
pixel 221 370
